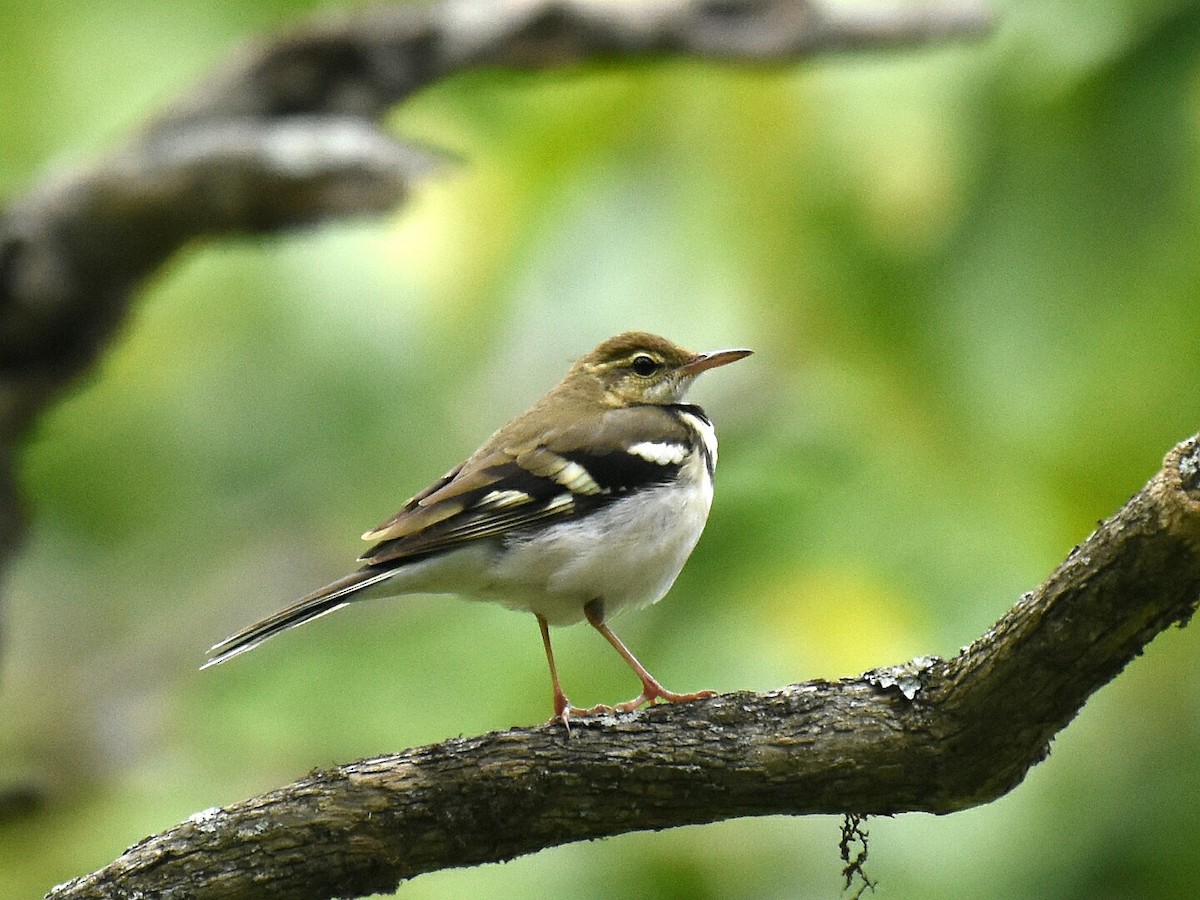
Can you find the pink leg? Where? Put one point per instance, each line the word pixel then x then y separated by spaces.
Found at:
pixel 563 710
pixel 651 689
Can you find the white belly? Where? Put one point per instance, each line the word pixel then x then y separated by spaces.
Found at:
pixel 626 555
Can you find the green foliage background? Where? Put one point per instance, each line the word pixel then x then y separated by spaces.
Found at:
pixel 972 277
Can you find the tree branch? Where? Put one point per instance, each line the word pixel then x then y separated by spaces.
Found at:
pixel 932 735
pixel 287 135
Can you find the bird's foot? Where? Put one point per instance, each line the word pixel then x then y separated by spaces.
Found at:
pixel 564 711
pixel 653 691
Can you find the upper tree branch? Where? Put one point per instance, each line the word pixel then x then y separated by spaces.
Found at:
pixel 934 735
pixel 287 134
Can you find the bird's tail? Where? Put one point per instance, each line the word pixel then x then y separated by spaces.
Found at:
pixel 319 603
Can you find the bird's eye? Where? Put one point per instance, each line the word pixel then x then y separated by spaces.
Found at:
pixel 644 365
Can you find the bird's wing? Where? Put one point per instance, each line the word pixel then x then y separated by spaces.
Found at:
pixel 505 487
pixel 511 486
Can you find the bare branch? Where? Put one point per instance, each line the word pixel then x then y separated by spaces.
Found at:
pixel 271 141
pixel 287 135
pixel 367 60
pixel 936 736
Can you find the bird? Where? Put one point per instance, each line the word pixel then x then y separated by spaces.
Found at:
pixel 587 504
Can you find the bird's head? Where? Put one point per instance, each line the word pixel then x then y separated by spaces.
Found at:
pixel 637 367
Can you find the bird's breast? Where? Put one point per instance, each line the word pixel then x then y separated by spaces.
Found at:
pixel 626 554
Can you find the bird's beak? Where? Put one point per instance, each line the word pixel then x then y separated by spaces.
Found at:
pixel 704 361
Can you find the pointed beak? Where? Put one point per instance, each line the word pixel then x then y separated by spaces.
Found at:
pixel 704 361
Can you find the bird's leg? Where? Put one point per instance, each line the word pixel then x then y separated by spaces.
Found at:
pixel 651 689
pixel 563 710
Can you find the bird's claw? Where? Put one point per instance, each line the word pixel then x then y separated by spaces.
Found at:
pixel 653 692
pixel 564 711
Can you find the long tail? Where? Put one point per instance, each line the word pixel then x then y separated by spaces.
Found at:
pixel 319 603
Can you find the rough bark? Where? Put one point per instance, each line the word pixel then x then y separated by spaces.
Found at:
pixel 288 135
pixel 931 735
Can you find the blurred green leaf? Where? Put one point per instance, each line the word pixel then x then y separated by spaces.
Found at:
pixel 970 276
